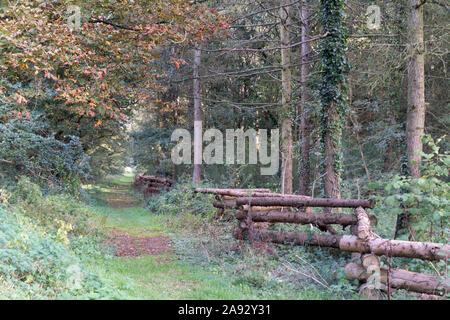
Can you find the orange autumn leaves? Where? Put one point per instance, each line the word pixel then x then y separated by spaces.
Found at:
pixel 95 68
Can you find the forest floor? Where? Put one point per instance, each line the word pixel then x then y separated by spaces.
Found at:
pixel 145 265
pixel 160 256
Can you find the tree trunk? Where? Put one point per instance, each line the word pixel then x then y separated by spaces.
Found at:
pixel 156 179
pixel 402 279
pixel 305 126
pixel 237 192
pixel 175 172
pixel 225 204
pixel 416 87
pixel 393 248
pixel 331 178
pixel 297 217
pixel 157 184
pixel 231 204
pixel 304 201
pixel 196 175
pixel 332 88
pixel 286 121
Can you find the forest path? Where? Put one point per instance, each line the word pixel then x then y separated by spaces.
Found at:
pixel 120 197
pixel 154 260
pixel 146 264
pixel 148 241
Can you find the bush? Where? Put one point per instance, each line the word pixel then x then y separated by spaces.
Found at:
pixel 28 146
pixel 60 214
pixel 182 200
pixel 26 191
pixel 425 200
pixel 37 265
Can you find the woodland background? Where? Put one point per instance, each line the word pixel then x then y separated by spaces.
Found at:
pixel 363 112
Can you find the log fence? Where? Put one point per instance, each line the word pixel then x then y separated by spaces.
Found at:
pixel 255 208
pixel 150 185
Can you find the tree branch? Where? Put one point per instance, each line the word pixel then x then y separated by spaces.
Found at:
pixel 112 24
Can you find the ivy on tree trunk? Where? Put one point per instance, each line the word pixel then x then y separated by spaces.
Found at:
pixel 333 90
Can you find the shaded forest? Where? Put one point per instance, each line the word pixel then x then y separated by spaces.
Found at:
pixel 91 93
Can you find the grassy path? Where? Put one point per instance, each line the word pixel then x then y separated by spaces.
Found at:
pixel 152 276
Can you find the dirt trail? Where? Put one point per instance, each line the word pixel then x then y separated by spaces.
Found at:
pixel 134 246
pixel 121 198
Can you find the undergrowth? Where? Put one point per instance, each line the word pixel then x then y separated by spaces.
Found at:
pixel 273 271
pixel 44 245
pixel 182 200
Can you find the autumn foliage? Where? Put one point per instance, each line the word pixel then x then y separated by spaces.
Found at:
pixel 108 58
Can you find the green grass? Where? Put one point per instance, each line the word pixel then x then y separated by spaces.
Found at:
pixel 148 277
pixel 132 220
pixel 187 273
pixel 163 276
pixel 152 277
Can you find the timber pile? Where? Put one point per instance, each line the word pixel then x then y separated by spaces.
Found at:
pixel 150 185
pixel 365 245
pixel 225 199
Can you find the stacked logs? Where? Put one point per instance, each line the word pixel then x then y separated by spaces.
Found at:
pixel 225 199
pixel 150 185
pixel 366 247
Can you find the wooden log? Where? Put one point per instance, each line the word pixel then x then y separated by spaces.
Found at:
pixel 278 195
pixel 298 217
pixel 229 205
pixel 225 197
pixel 157 184
pixel 258 208
pixel 152 189
pixel 397 248
pixel 371 263
pixel 157 179
pixel 247 193
pixel 232 192
pixel 228 200
pixel 255 189
pixel 394 248
pixel 363 226
pixel 424 296
pixel 370 260
pixel 416 282
pixel 369 293
pixel 305 202
pixel 224 204
pixel 402 279
pixel 138 182
pixel 356 256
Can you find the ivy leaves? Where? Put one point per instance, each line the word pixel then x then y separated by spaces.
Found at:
pixel 334 67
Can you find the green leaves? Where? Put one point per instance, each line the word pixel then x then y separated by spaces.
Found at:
pixel 426 200
pixel 27 147
pixel 334 67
